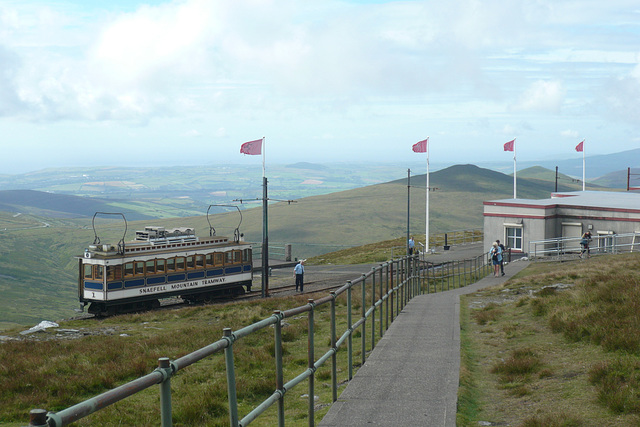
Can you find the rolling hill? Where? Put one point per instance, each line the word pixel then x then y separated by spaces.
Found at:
pixel 51 205
pixel 38 272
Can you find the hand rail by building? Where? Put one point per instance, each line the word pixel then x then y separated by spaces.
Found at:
pixel 570 247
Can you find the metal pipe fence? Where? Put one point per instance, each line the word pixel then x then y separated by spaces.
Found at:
pixel 378 294
pixel 569 247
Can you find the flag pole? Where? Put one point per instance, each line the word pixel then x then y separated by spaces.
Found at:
pixel 423 147
pixel 263 155
pixel 583 169
pixel 426 232
pixel 514 170
pixel 265 229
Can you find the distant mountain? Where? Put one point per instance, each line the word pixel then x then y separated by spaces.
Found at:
pixel 618 179
pixel 596 166
pixel 470 178
pixel 52 205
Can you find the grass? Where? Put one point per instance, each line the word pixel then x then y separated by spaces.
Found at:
pixel 555 346
pixel 56 373
pixel 383 251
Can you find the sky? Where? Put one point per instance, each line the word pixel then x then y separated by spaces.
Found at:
pixel 155 83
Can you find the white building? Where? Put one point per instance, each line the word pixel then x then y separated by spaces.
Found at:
pixel 516 222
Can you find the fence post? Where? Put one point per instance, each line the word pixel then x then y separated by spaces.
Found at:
pixel 350 325
pixel 277 335
pixel 398 282
pixel 390 289
pixel 310 363
pixel 381 308
pixel 334 359
pixel 373 306
pixel 165 392
pixel 364 320
pixel 38 418
pixel 231 378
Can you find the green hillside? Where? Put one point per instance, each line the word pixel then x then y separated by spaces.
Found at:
pixel 52 205
pixel 38 272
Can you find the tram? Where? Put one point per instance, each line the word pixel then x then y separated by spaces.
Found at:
pixel 162 263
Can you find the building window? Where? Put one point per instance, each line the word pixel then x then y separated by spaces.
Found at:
pixel 514 238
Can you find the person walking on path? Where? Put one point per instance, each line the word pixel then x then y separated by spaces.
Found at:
pixel 299 272
pixel 502 249
pixel 584 242
pixel 496 258
pixel 412 245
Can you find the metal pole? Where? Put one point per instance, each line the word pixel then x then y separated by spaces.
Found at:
pixel 390 288
pixel 231 379
pixel 386 292
pixel 334 360
pixel 373 312
pixel 38 418
pixel 363 357
pixel 310 364
pixel 165 392
pixel 381 308
pixel 265 240
pixel 279 367
pixel 408 205
pixel 349 325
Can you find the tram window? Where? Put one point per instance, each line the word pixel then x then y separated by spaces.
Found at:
pixel 88 271
pixel 209 259
pixel 128 269
pixel 237 257
pixel 180 263
pixel 160 265
pixel 228 258
pixel 151 267
pixel 191 262
pixel 171 264
pixel 114 272
pixel 219 259
pixel 139 267
pixel 246 255
pixel 99 271
pixel 199 261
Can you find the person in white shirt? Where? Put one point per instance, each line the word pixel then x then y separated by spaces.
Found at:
pixel 299 271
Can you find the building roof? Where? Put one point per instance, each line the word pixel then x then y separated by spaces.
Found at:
pixel 594 199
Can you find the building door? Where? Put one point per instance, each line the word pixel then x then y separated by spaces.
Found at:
pixel 571 233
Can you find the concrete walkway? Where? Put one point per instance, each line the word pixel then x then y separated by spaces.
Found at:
pixel 411 377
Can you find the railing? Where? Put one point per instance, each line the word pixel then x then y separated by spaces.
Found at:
pixel 455 274
pixel 569 247
pixel 275 251
pixel 388 287
pixel 455 237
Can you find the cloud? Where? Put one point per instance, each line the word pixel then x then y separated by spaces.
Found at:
pixel 541 96
pixel 569 133
pixel 621 96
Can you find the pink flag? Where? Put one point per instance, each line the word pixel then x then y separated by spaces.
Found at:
pixel 420 147
pixel 580 147
pixel 252 147
pixel 509 145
